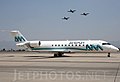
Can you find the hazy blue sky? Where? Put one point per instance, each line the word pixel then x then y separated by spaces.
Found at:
pixel 41 19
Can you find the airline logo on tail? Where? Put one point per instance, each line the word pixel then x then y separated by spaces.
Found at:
pixel 19 39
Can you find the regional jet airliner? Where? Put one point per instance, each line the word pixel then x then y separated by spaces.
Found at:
pixel 58 48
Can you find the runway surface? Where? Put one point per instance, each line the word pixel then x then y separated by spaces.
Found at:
pixel 41 67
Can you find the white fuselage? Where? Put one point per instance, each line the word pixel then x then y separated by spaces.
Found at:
pixel 71 46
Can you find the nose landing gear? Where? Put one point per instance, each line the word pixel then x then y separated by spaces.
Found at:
pixel 108 55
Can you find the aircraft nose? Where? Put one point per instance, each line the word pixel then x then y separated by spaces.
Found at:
pixel 115 48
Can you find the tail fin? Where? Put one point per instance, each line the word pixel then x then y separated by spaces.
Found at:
pixel 18 37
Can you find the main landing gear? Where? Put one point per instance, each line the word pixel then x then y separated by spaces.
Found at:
pixel 59 54
pixel 108 55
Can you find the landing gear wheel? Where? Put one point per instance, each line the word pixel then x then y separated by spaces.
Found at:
pixel 58 54
pixel 55 55
pixel 108 55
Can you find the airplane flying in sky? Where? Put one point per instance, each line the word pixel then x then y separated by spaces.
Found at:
pixel 85 14
pixel 66 46
pixel 72 11
pixel 65 18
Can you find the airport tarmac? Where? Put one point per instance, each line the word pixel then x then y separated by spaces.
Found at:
pixel 41 67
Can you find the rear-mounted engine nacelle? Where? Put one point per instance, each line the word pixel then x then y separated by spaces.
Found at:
pixel 35 43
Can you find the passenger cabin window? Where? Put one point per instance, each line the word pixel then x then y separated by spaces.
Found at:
pixel 55 45
pixel 106 44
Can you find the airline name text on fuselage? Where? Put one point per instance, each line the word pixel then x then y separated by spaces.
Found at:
pixel 76 43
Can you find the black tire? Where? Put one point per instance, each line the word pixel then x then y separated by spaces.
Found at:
pixel 55 55
pixel 108 55
pixel 60 55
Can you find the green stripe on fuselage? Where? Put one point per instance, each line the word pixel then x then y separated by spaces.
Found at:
pixel 58 48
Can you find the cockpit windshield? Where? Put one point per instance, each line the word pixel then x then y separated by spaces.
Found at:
pixel 106 44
